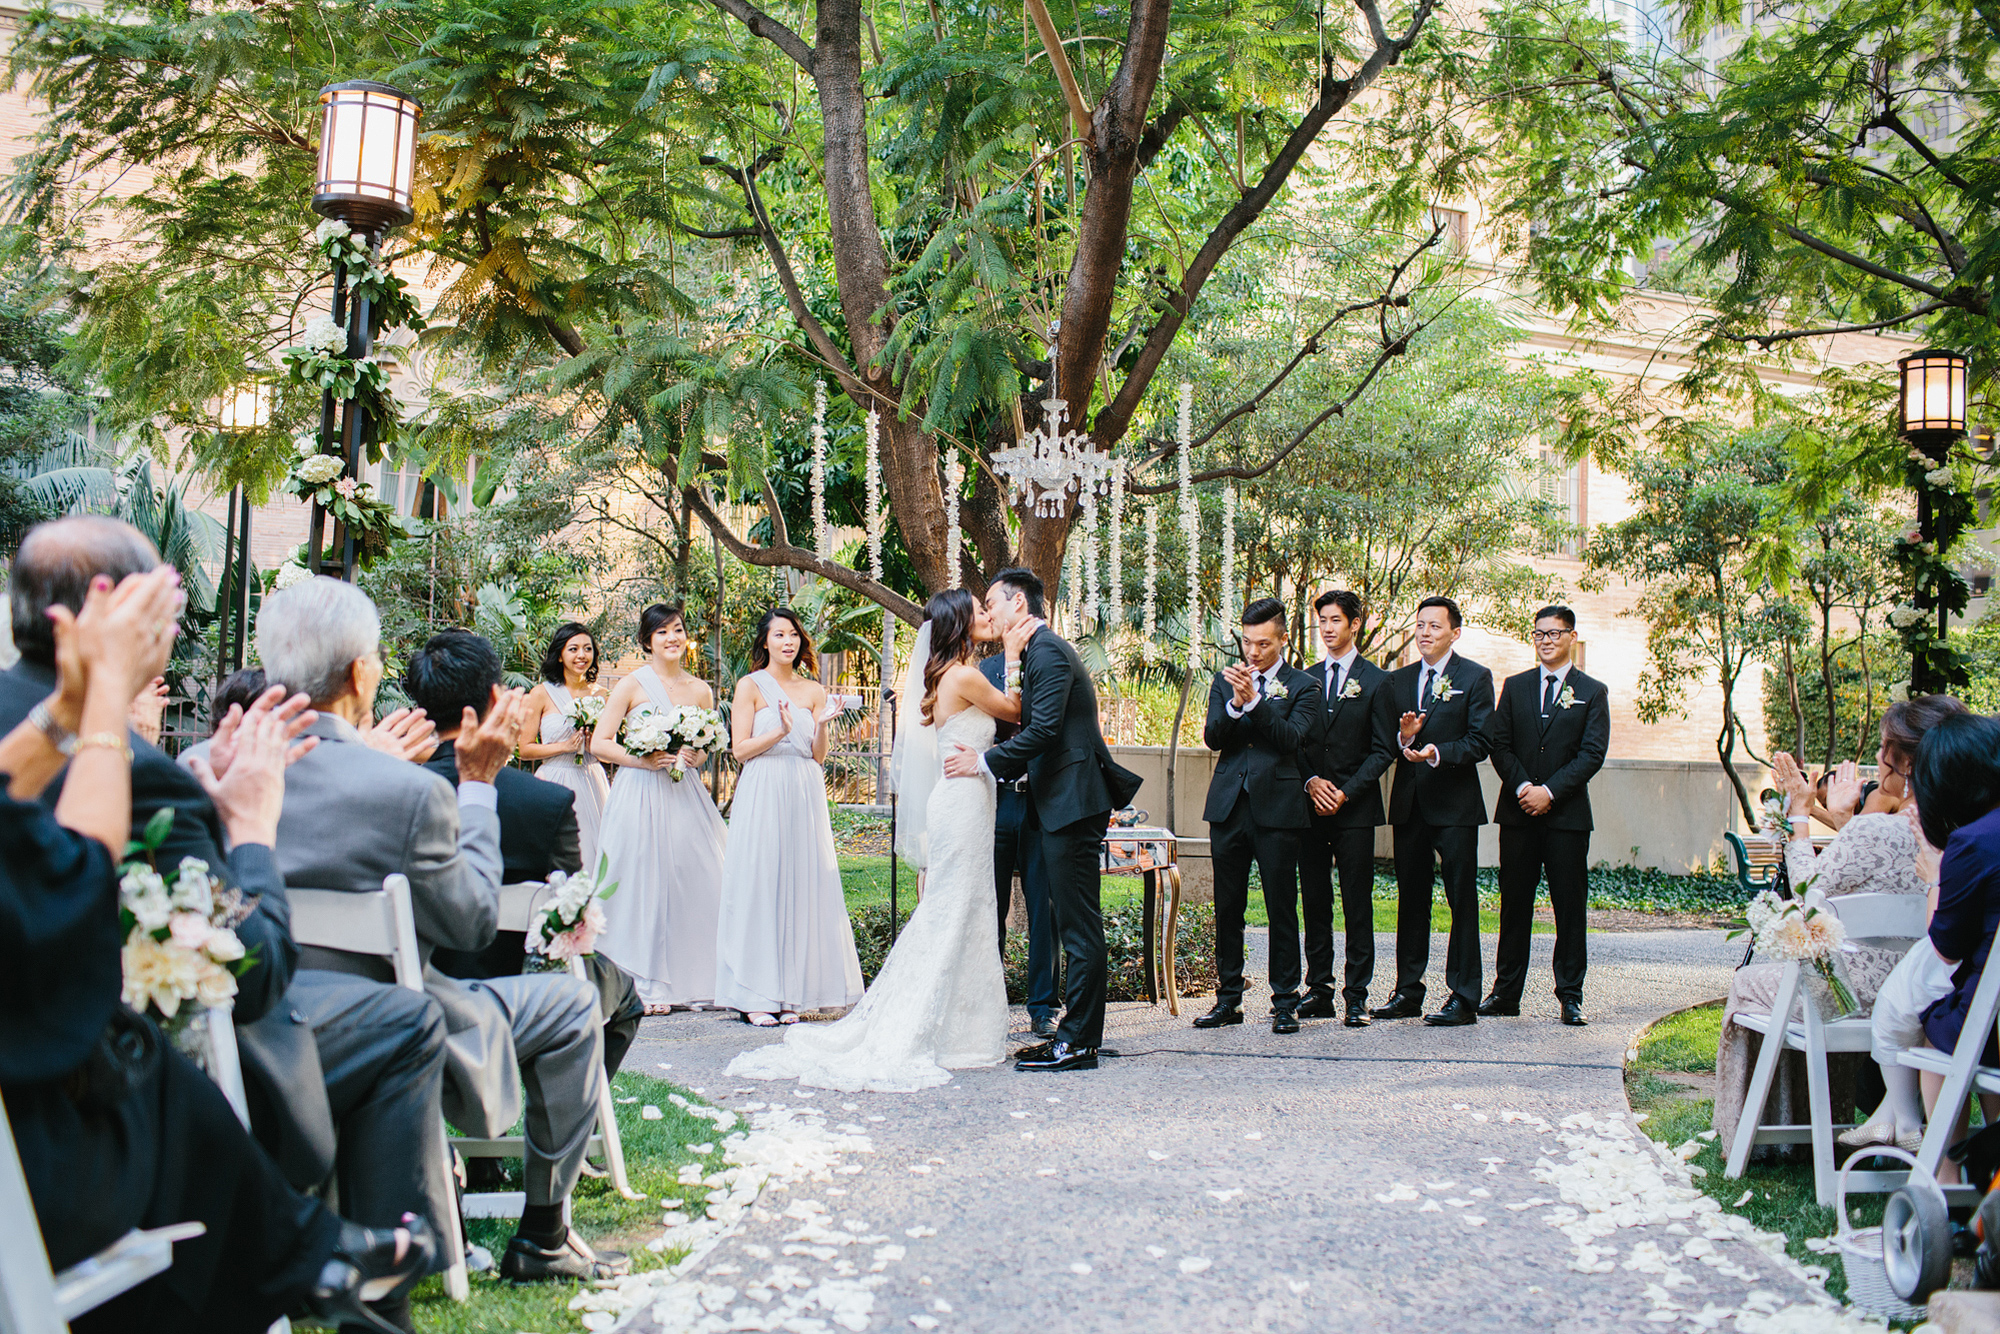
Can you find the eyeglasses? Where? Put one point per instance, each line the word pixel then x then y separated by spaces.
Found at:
pixel 1550 636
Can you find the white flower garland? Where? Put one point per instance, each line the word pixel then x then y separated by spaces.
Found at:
pixel 954 481
pixel 1117 545
pixel 1087 521
pixel 822 535
pixel 874 495
pixel 1228 605
pixel 1190 522
pixel 1149 625
pixel 1072 593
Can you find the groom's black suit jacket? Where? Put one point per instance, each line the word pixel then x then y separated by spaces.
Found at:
pixel 1257 755
pixel 1060 747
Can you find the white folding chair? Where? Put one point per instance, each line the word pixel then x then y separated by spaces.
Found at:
pixel 518 906
pixel 224 1067
pixel 380 922
pixel 1963 1076
pixel 1868 917
pixel 35 1301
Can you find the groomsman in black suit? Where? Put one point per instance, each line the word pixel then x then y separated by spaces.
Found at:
pixel 1015 847
pixel 1550 733
pixel 1343 769
pixel 1438 708
pixel 1261 711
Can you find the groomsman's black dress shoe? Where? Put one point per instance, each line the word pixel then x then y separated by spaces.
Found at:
pixel 1220 1017
pixel 1316 1007
pixel 1044 1027
pixel 1284 1021
pixel 1061 1056
pixel 1400 1006
pixel 1035 1053
pixel 1454 1014
pixel 1357 1015
pixel 1573 1014
pixel 1495 1008
pixel 572 1259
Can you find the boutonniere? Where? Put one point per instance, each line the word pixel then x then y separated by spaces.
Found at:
pixel 1567 698
pixel 1277 690
pixel 1441 688
pixel 1352 690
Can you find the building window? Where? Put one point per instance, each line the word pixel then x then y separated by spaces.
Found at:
pixel 1562 486
pixel 1452 223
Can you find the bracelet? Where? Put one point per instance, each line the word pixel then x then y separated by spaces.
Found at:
pixel 44 719
pixel 112 741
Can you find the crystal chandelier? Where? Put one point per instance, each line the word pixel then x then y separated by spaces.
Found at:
pixel 1051 465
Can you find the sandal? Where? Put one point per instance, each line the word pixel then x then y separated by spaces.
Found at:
pixel 760 1021
pixel 368 1264
pixel 788 1017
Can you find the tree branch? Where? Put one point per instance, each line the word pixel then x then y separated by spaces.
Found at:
pixel 771 30
pixel 1766 340
pixel 1162 128
pixel 1889 120
pixel 1065 76
pixel 798 558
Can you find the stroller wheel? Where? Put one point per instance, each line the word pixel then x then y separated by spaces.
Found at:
pixel 1916 1243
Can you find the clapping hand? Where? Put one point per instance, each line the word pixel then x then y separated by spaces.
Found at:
pixel 1843 790
pixel 1792 781
pixel 295 713
pixel 248 786
pixel 483 746
pixel 147 708
pixel 1243 681
pixel 1928 857
pixel 1424 756
pixel 1408 727
pixel 405 733
pixel 830 710
pixel 123 635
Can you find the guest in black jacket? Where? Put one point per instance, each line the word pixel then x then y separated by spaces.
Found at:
pixel 458 670
pixel 114 1128
pixel 1437 708
pixel 1550 732
pixel 1261 711
pixel 1343 766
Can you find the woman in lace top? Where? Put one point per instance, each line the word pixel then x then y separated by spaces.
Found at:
pixel 1875 853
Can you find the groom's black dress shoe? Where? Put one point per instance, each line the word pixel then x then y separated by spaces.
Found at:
pixel 1495 1008
pixel 1284 1021
pixel 1220 1016
pixel 1573 1014
pixel 1061 1056
pixel 1400 1006
pixel 1035 1053
pixel 1454 1014
pixel 1316 1007
pixel 1357 1015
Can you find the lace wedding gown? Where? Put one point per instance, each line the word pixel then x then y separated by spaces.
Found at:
pixel 940 1002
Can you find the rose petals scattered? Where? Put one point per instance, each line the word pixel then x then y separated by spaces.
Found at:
pixel 625 1101
pixel 1743 1199
pixel 1398 1191
pixel 1430 1207
pixel 922 1169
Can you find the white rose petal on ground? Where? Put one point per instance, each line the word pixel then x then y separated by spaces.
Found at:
pixel 1019 1115
pixel 1224 1196
pixel 1479 1116
pixel 1296 1286
pixel 1156 1155
pixel 1079 1268
pixel 1398 1191
pixel 921 1169
pixel 941 1306
pixel 1430 1207
pixel 850 1107
pixel 650 1113
pixel 1472 1220
pixel 920 1231
pixel 624 1101
pixel 1743 1199
pixel 1439 1185
pixel 1461 1107
pixel 1194 1264
pixel 1157 1252
pixel 1045 1171
pixel 924 1321
pixel 1255 1134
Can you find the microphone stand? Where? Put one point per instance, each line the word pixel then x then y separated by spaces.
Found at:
pixel 889 710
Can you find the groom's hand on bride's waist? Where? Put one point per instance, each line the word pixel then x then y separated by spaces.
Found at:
pixel 962 762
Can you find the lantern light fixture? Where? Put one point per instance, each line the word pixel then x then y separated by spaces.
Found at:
pixel 367 155
pixel 1932 398
pixel 246 408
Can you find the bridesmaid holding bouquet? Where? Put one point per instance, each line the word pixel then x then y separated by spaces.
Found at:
pixel 562 712
pixel 664 838
pixel 785 943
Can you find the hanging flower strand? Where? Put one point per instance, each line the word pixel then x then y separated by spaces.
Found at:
pixel 874 495
pixel 954 481
pixel 1117 544
pixel 1190 522
pixel 1087 521
pixel 1149 624
pixel 822 535
pixel 1227 609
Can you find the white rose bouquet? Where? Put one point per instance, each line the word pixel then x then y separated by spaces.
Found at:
pixel 583 711
pixel 1802 928
pixel 179 943
pixel 647 731
pixel 696 728
pixel 571 920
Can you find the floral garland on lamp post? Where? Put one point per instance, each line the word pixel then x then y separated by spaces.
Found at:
pixel 1190 522
pixel 822 535
pixel 1936 590
pixel 1149 622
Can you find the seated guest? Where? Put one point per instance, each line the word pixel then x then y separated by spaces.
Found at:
pixel 116 1129
pixel 459 670
pixel 341 1073
pixel 362 816
pixel 1957 782
pixel 1875 852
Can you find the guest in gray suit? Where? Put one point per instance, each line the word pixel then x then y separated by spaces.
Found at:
pixel 355 816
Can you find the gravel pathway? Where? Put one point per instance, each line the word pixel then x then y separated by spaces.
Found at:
pixel 1234 1180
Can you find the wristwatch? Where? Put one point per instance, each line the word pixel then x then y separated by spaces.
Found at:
pixel 44 719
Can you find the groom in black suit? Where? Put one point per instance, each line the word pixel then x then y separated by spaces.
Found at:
pixel 1343 767
pixel 1073 786
pixel 1437 707
pixel 1260 712
pixel 1015 848
pixel 1550 734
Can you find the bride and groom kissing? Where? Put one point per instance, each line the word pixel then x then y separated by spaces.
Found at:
pixel 940 1001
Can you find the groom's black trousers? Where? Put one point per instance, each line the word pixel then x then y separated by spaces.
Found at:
pixel 1071 860
pixel 1017 846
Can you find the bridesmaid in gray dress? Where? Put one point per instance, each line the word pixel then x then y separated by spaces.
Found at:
pixel 569 671
pixel 662 838
pixel 785 943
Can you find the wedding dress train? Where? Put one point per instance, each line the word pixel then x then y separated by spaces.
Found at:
pixel 940 1001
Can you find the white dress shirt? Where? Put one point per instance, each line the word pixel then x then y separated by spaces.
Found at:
pixel 1270 680
pixel 1327 680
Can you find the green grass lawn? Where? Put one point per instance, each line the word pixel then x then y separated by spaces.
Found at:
pixel 654 1153
pixel 867 882
pixel 1781 1194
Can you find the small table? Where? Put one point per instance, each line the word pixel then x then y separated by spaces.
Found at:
pixel 1151 852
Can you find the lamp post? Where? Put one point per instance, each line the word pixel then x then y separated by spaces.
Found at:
pixel 1931 416
pixel 247 409
pixel 367 155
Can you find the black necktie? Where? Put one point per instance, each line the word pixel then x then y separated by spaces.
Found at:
pixel 1332 681
pixel 1548 696
pixel 1424 698
pixel 1260 686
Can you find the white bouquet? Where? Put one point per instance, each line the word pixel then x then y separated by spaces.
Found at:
pixel 647 731
pixel 696 728
pixel 1802 928
pixel 583 711
pixel 1773 817
pixel 179 941
pixel 571 920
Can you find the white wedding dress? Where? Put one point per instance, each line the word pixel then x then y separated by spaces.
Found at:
pixel 940 1001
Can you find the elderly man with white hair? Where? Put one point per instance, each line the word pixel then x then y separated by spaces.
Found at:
pixel 353 816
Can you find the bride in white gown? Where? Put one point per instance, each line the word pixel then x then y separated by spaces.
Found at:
pixel 940 1003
